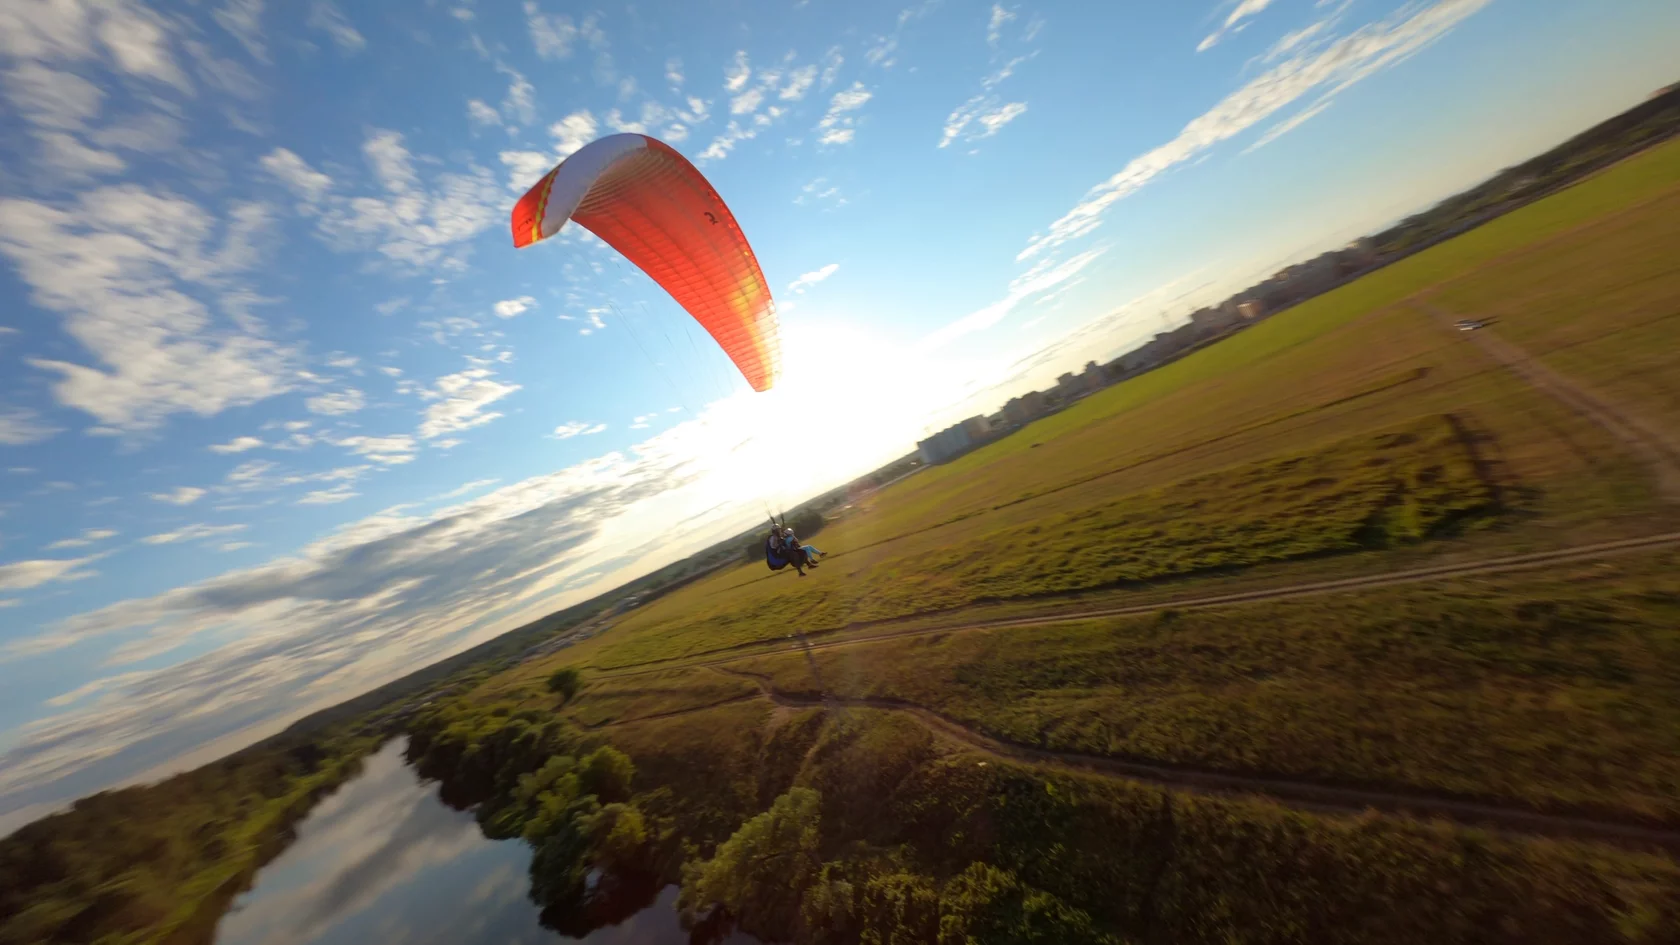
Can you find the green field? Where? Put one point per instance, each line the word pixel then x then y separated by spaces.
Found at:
pixel 1530 689
pixel 1400 485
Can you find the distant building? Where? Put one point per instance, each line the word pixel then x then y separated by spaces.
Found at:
pixel 1068 388
pixel 1251 309
pixel 954 441
pixel 1360 254
pixel 1212 321
pixel 1095 377
pixel 1025 408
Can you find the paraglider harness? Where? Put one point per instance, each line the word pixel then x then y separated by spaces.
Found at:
pixel 779 552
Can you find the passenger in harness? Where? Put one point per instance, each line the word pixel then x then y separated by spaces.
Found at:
pixel 782 548
pixel 776 554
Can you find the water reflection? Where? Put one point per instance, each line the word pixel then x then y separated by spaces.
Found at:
pixel 383 860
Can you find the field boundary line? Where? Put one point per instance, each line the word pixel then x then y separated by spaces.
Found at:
pixel 1297 794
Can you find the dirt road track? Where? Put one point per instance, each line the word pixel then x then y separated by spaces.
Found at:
pixel 1487 566
pixel 1654 447
pixel 1303 795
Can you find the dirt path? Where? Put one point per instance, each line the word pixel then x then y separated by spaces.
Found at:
pixel 1654 447
pixel 1500 565
pixel 1303 795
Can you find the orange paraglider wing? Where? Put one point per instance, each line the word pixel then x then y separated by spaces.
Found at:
pixel 648 202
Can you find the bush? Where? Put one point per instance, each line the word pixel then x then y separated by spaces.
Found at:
pixel 566 681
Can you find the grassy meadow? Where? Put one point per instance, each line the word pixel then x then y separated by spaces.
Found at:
pixel 1552 690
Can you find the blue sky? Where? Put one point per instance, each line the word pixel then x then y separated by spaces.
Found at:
pixel 284 415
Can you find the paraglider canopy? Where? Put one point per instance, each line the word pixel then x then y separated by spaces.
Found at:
pixel 648 202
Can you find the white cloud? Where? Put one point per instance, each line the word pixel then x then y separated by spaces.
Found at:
pixel 23 575
pixel 508 308
pixel 1235 21
pixel 184 495
pixel 137 39
pixel 798 83
pixel 735 76
pixel 520 104
pixel 329 19
pixel 51 98
pixel 525 168
pixel 308 184
pixel 673 72
pixel 330 496
pixel 805 281
pixel 480 115
pixel 734 133
pixel 133 275
pixel 69 159
pixel 89 536
pixel 1328 69
pixel 566 431
pixel 349 612
pixel 251 474
pixel 551 35
pixel 995 119
pixel 243 21
pixel 832 61
pixel 392 164
pixel 883 50
pixel 573 132
pixel 238 444
pixel 1289 124
pixel 1042 277
pixel 994 26
pixel 463 489
pixel 985 113
pixel 837 126
pixel 747 102
pixel 459 400
pixel 191 533
pixel 19 427
pixel 818 191
pixel 414 223
pixel 337 403
pixel 386 450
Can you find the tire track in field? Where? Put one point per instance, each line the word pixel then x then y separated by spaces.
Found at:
pixel 1301 795
pixel 671 713
pixel 1421 575
pixel 1654 447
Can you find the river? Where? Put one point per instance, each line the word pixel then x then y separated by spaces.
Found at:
pixel 383 860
